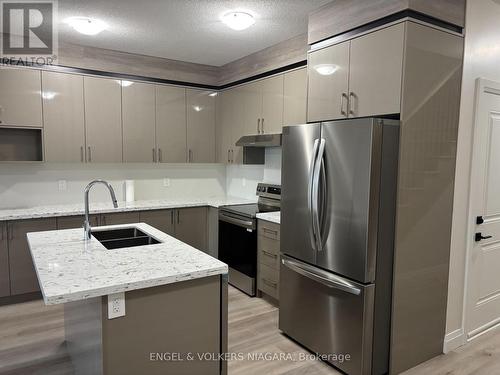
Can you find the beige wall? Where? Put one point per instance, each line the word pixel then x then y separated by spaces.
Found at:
pixel 482 59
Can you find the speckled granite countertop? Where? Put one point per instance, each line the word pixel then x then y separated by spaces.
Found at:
pixel 273 217
pixel 107 207
pixel 70 268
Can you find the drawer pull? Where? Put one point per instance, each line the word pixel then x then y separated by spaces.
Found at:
pixel 270 283
pixel 272 231
pixel 269 254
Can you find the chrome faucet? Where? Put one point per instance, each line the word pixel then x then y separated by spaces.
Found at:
pixel 86 223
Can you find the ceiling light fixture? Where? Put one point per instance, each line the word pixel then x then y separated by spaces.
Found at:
pixel 85 25
pixel 238 20
pixel 326 69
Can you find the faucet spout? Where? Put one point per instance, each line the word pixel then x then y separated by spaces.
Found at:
pixel 86 224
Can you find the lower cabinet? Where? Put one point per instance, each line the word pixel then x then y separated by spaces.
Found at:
pixel 23 277
pixel 119 218
pixel 191 226
pixel 268 258
pixel 4 262
pixel 72 222
pixel 160 219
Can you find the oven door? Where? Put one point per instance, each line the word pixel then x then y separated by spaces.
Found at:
pixel 238 249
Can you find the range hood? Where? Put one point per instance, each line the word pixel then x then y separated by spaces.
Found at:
pixel 260 140
pixel 254 147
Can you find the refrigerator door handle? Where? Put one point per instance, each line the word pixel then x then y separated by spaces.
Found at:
pixel 315 195
pixel 310 189
pixel 320 276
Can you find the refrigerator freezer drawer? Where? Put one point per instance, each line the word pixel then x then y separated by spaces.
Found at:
pixel 327 314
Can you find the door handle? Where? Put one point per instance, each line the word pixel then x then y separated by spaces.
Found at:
pixel 479 236
pixel 262 126
pixel 178 220
pixel 351 103
pixel 322 277
pixel 81 154
pixel 228 157
pixel 232 156
pixel 154 155
pixel 190 156
pixel 342 97
pixel 172 217
pixel 315 195
pixel 159 155
pixel 258 126
pixel 90 154
pixel 312 234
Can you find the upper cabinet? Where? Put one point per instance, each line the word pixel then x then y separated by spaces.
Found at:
pixel 328 72
pixel 376 69
pixel 63 117
pixel 171 129
pixel 200 126
pixel 230 127
pixel 20 97
pixel 103 119
pixel 294 97
pixel 138 116
pixel 357 78
pixel 262 110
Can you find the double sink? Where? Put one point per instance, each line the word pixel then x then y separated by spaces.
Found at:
pixel 124 237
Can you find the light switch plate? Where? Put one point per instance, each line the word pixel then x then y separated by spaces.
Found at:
pixel 116 305
pixel 62 185
pixel 166 182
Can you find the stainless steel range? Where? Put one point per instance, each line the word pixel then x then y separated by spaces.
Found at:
pixel 238 236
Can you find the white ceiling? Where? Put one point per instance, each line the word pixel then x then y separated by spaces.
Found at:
pixel 187 30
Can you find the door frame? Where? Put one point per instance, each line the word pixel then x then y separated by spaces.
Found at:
pixel 483 86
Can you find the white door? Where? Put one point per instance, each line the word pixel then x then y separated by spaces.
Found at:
pixel 483 278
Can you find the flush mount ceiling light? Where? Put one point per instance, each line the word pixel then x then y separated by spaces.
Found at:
pixel 326 69
pixel 87 26
pixel 238 20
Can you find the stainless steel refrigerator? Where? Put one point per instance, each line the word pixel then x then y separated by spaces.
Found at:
pixel 338 203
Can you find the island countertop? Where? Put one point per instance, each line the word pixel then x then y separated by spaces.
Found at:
pixel 70 268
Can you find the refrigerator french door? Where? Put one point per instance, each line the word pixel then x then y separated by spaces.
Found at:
pixel 337 229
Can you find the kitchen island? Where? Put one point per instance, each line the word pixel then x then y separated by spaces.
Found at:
pixel 148 309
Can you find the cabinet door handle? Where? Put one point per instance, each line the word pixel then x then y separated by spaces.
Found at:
pixel 154 155
pixel 270 283
pixel 228 157
pixel 159 155
pixel 232 156
pixel 172 217
pixel 10 231
pixel 342 97
pixel 190 156
pixel 351 103
pixel 178 220
pixel 269 254
pixel 1 233
pixel 90 154
pixel 262 126
pixel 258 126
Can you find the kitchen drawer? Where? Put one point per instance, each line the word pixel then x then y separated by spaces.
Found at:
pixel 268 280
pixel 268 258
pixel 269 230
pixel 267 244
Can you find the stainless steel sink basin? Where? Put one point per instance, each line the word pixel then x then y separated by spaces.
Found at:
pixel 121 238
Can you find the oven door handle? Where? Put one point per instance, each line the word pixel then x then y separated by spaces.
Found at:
pixel 239 222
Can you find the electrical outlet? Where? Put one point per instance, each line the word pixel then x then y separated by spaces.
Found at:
pixel 62 185
pixel 116 305
pixel 166 182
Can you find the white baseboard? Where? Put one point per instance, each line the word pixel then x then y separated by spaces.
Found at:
pixel 453 340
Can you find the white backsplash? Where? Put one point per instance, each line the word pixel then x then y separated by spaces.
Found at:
pixel 242 180
pixel 27 185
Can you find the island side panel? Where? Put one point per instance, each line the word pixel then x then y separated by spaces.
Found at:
pixel 224 321
pixel 83 332
pixel 183 317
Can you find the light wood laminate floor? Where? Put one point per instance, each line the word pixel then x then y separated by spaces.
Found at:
pixel 32 335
